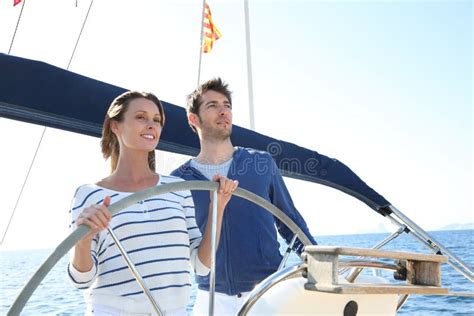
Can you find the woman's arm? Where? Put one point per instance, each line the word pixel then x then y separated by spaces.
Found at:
pixel 97 217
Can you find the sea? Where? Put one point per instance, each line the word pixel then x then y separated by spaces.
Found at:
pixel 56 295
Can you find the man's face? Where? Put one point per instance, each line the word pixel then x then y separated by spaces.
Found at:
pixel 215 116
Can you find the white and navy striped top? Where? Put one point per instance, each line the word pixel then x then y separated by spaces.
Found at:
pixel 161 237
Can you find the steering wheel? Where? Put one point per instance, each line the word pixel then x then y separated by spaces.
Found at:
pixel 114 208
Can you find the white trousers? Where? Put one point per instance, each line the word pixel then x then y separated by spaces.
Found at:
pixel 223 304
pixel 95 309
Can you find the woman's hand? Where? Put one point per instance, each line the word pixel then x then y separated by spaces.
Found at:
pixel 97 217
pixel 225 190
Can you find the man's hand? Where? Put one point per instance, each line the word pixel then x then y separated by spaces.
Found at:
pixel 225 190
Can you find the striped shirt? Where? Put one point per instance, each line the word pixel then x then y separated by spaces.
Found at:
pixel 160 236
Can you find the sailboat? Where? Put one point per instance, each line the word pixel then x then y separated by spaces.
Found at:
pixel 39 108
pixel 65 100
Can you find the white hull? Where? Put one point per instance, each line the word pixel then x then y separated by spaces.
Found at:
pixel 291 298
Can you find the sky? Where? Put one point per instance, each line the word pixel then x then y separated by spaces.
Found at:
pixel 383 86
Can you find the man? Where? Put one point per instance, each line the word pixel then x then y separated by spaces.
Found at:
pixel 248 250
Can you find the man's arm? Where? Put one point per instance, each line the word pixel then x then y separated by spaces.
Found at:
pixel 280 197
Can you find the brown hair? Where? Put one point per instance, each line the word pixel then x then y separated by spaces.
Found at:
pixel 109 143
pixel 193 100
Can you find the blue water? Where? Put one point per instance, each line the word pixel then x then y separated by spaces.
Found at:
pixel 56 296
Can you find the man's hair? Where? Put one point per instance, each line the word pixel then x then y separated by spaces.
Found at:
pixel 194 101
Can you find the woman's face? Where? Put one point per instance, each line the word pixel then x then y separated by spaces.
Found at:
pixel 140 128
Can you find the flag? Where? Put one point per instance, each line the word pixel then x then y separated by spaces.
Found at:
pixel 15 2
pixel 211 33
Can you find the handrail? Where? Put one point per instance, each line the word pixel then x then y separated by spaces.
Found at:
pixel 287 253
pixel 355 272
pixel 434 245
pixel 275 278
pixel 82 230
pixel 368 264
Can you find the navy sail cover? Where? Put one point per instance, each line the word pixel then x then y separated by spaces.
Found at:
pixel 39 93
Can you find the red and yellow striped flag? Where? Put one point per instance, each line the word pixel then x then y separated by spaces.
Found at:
pixel 15 2
pixel 211 33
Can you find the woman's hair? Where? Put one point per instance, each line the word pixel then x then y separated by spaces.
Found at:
pixel 109 143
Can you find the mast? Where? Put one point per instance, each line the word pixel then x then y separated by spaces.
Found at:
pixel 249 65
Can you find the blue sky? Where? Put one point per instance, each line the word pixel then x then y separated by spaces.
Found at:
pixel 384 86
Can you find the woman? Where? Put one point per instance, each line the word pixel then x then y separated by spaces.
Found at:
pixel 159 234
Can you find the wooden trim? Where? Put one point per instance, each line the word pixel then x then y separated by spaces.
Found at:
pixel 375 253
pixel 423 271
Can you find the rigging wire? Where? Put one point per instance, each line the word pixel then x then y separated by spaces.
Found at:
pixel 80 33
pixel 26 178
pixel 16 27
pixel 23 187
pixel 44 129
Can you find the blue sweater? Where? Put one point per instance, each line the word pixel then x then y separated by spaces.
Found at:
pixel 248 250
